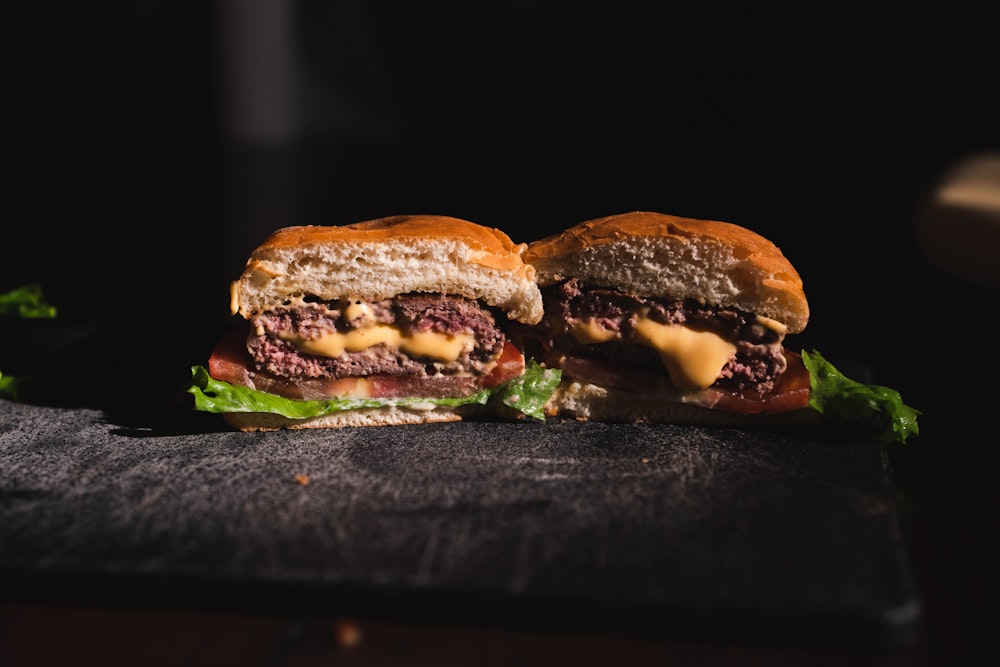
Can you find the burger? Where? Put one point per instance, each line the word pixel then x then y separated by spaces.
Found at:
pixel 397 320
pixel 658 318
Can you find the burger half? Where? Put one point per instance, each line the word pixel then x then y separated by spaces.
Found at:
pixel 658 318
pixel 399 320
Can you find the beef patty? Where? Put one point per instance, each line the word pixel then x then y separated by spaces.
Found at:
pixel 271 349
pixel 759 358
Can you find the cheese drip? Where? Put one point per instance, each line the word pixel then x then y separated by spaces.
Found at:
pixel 693 359
pixel 446 347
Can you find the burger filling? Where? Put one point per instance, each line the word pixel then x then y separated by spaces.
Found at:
pixel 414 335
pixel 607 337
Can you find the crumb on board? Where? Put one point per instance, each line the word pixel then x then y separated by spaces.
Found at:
pixel 346 633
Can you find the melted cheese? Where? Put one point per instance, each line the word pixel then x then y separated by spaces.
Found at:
pixel 773 325
pixel 427 344
pixel 693 359
pixel 588 331
pixel 234 297
pixel 361 311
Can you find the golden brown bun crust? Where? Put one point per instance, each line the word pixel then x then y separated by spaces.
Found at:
pixel 498 250
pixel 656 254
pixel 383 258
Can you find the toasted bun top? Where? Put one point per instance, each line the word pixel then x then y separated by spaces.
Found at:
pixel 655 254
pixel 382 258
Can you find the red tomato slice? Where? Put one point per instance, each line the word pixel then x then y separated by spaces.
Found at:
pixel 510 365
pixel 791 392
pixel 608 374
pixel 228 361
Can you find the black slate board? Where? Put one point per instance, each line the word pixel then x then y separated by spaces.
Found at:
pixel 688 531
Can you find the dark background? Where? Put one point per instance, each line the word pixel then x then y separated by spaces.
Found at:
pixel 156 143
pixel 151 145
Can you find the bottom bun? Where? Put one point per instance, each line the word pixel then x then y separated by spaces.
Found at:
pixel 387 416
pixel 591 402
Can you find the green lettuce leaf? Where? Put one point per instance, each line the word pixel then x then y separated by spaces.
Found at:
pixel 526 394
pixel 876 409
pixel 8 386
pixel 529 393
pixel 26 301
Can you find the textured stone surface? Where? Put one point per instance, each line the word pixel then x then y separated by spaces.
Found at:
pixel 679 529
